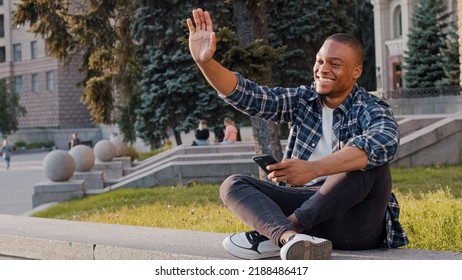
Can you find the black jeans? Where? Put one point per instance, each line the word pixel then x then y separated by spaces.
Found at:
pixel 348 208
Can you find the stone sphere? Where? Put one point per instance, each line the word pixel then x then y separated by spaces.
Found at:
pixel 119 147
pixel 104 151
pixel 83 157
pixel 58 165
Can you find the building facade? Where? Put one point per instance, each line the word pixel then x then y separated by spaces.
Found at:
pixel 392 19
pixel 46 86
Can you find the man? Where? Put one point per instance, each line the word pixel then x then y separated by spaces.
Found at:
pixel 6 151
pixel 334 184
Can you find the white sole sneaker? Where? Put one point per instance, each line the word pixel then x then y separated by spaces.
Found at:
pixel 305 247
pixel 241 245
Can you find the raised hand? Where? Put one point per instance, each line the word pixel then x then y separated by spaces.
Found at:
pixel 202 40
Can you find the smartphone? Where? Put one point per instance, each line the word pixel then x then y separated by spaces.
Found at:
pixel 264 160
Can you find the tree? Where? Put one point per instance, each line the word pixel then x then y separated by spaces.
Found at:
pixel 364 31
pixel 450 54
pixel 302 26
pixel 108 53
pixel 253 61
pixel 174 96
pixel 10 109
pixel 427 34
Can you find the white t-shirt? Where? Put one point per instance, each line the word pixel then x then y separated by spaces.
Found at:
pixel 324 146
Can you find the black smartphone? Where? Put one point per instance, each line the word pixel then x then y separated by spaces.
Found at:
pixel 264 160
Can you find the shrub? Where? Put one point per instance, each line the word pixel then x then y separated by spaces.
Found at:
pixel 131 152
pixel 34 145
pixel 20 145
pixel 48 144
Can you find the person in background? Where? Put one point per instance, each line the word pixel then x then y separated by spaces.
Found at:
pixel 74 140
pixel 230 132
pixel 201 134
pixel 6 150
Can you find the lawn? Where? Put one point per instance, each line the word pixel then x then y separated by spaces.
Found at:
pixel 430 198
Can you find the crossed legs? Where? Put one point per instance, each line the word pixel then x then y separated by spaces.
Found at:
pixel 348 209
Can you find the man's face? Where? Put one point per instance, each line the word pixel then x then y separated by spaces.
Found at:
pixel 336 70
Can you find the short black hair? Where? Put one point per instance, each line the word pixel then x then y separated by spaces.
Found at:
pixel 350 41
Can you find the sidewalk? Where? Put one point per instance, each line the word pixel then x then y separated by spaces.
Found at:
pixel 50 239
pixel 16 184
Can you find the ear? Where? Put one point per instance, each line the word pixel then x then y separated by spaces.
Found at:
pixel 357 72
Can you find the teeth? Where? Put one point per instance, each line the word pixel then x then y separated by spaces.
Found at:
pixel 325 79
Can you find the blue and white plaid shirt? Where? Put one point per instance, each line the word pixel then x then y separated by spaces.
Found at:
pixel 362 120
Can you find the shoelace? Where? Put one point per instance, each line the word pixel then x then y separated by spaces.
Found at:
pixel 255 237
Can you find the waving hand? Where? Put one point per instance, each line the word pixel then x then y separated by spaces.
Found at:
pixel 202 40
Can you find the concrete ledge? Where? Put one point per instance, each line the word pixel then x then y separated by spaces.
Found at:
pixel 49 239
pixel 46 192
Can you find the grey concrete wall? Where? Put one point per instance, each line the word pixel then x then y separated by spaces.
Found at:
pixel 426 105
pixel 61 137
pixel 437 143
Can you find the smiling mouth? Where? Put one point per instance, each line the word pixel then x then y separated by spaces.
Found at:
pixel 321 79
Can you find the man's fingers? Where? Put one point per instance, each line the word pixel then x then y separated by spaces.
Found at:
pixel 208 21
pixel 197 18
pixel 190 26
pixel 202 21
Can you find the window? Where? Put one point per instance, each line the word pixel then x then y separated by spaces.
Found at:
pixel 35 83
pixel 50 81
pixel 19 84
pixel 2 54
pixel 17 52
pixel 33 50
pixel 397 23
pixel 2 27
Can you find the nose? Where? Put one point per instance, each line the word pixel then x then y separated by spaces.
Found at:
pixel 322 67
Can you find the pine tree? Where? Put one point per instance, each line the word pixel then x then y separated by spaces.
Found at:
pixel 364 31
pixel 174 96
pixel 423 59
pixel 302 26
pixel 450 54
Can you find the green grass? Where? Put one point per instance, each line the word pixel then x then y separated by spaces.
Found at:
pixel 430 199
pixel 428 179
pixel 432 221
pixel 194 208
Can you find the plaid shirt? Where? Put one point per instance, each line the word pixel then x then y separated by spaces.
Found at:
pixel 362 120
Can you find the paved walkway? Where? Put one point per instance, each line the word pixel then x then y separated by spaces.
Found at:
pixel 17 183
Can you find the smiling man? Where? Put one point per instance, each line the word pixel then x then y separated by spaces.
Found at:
pixel 333 188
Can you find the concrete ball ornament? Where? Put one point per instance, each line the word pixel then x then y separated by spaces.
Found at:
pixel 104 151
pixel 84 158
pixel 58 165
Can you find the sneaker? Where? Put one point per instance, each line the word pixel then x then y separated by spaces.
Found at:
pixel 250 245
pixel 306 247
